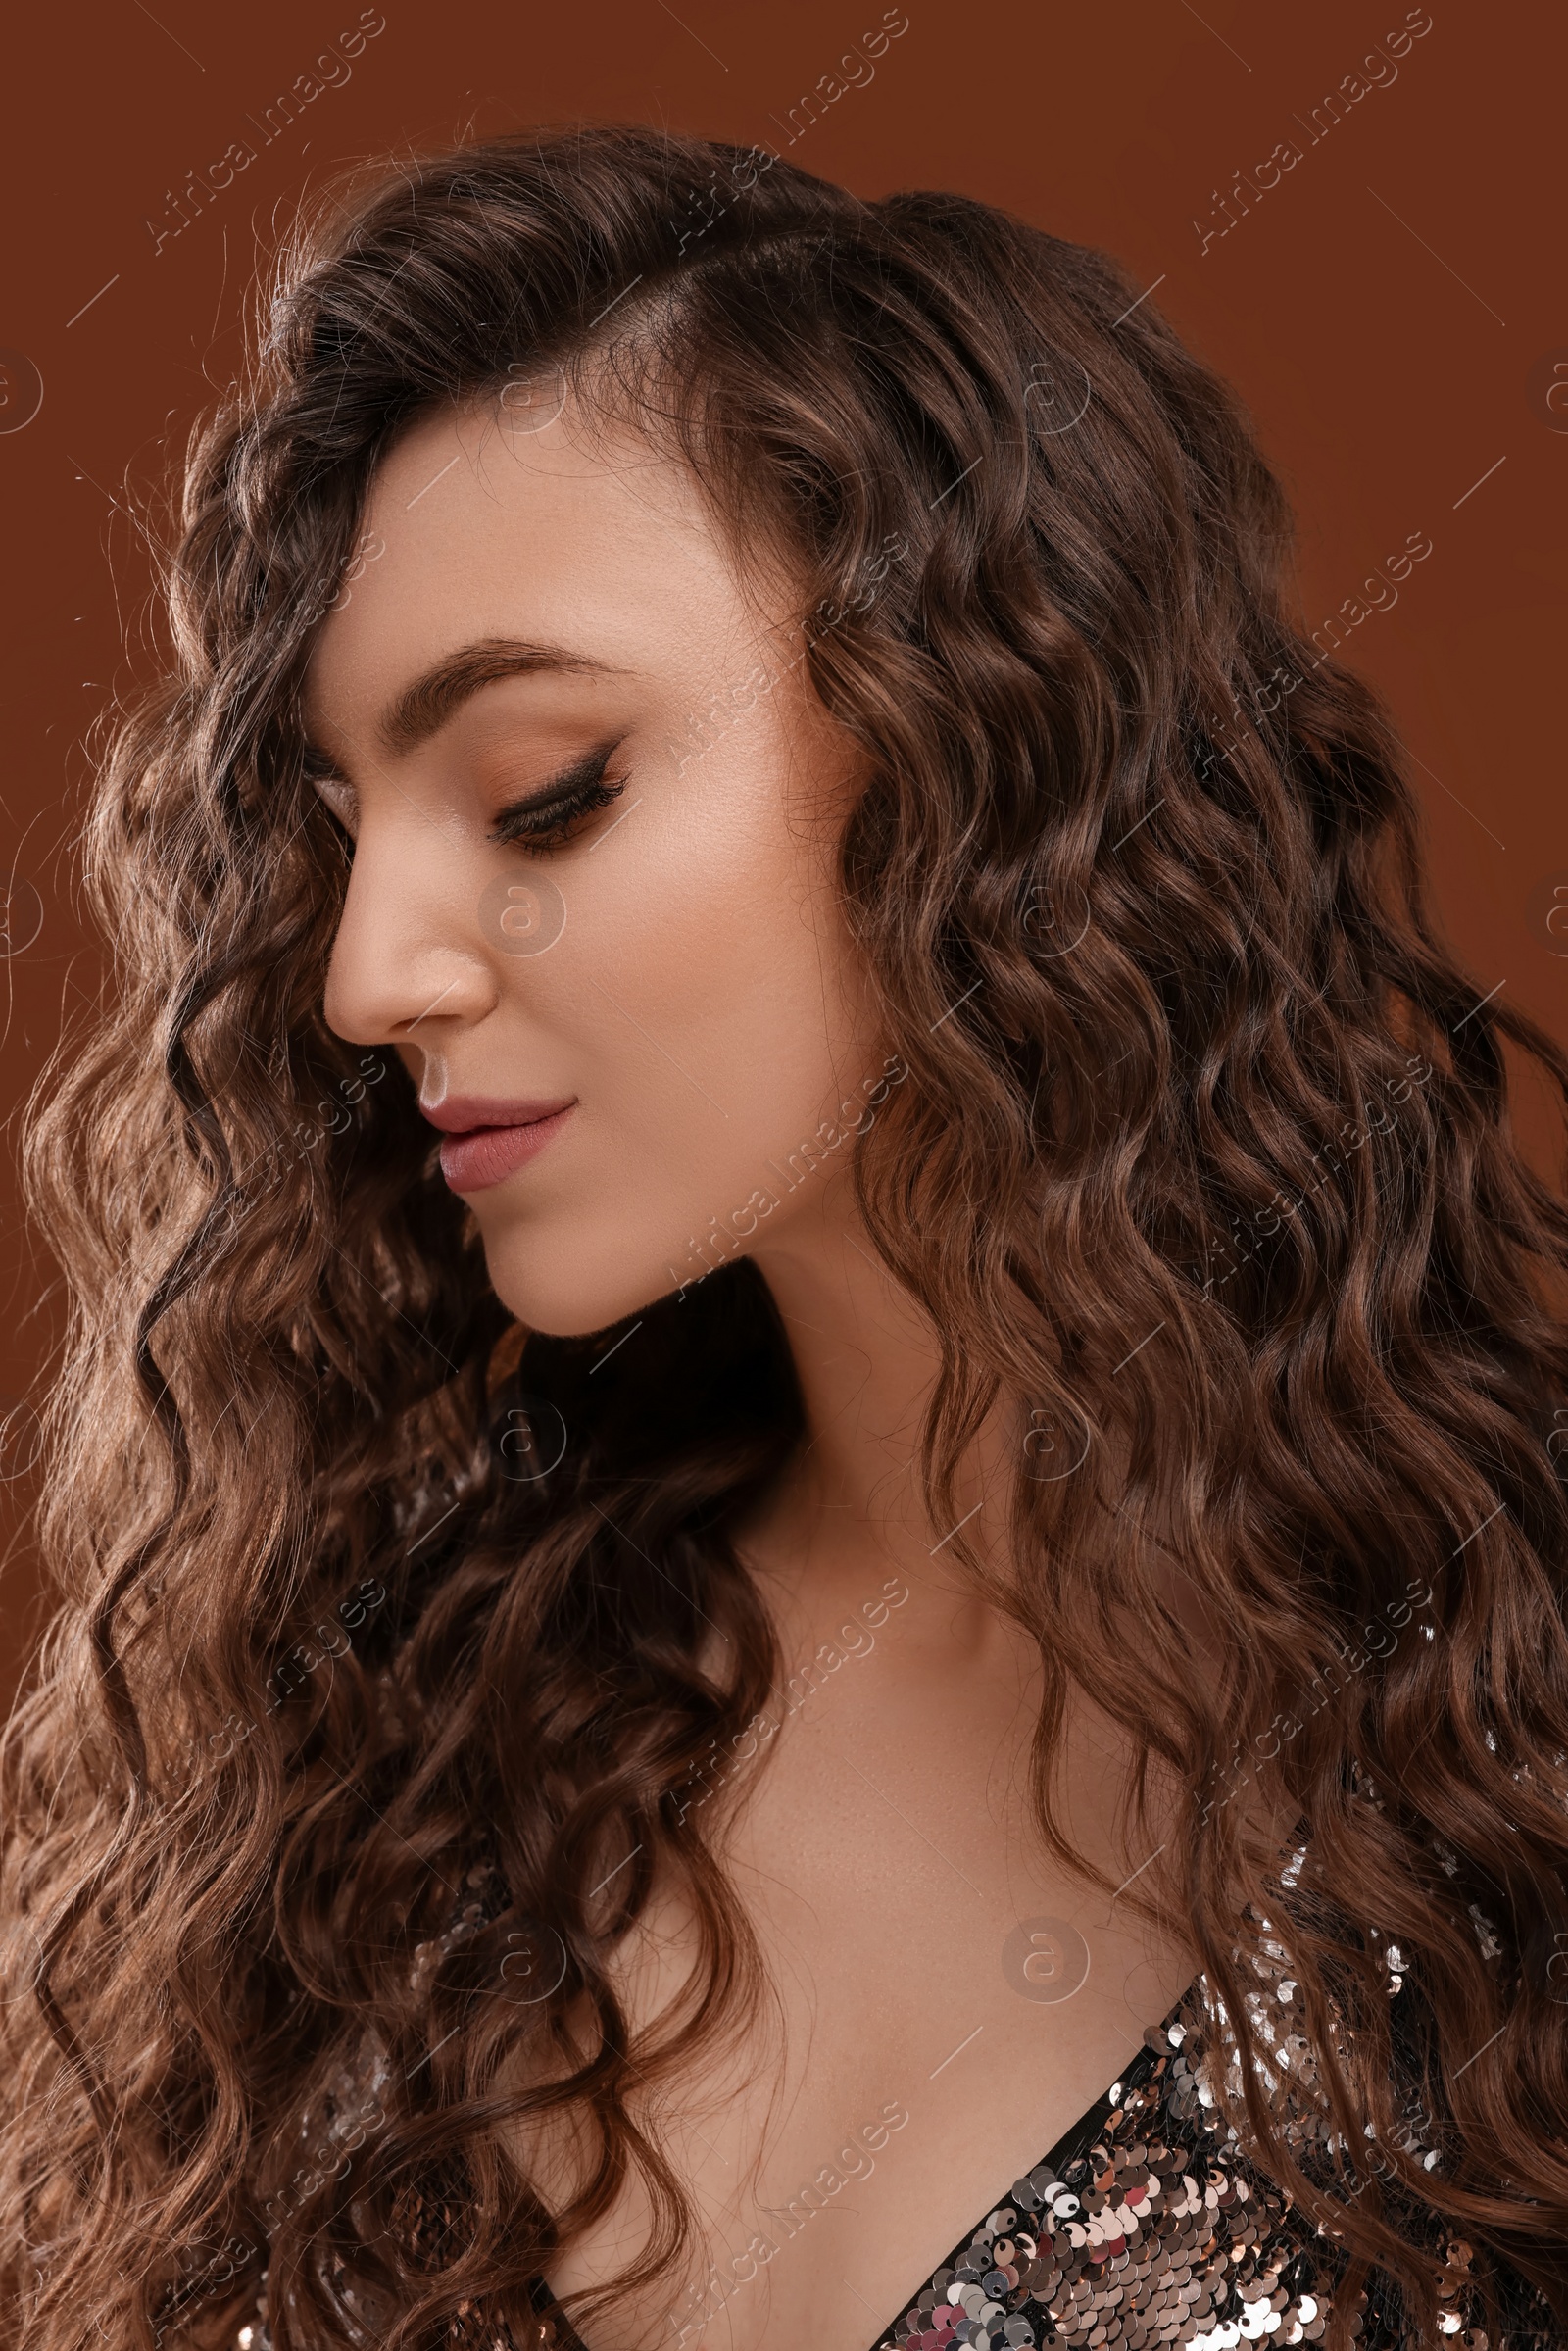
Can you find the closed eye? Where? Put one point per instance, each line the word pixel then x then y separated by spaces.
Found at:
pixel 547 818
pixel 544 821
pixel 341 799
pixel 337 792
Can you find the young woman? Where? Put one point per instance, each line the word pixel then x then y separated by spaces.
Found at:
pixel 807 1504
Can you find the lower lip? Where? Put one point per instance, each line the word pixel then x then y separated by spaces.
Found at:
pixel 486 1155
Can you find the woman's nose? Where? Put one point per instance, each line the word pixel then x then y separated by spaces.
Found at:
pixel 408 945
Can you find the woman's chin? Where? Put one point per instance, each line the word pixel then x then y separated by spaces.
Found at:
pixel 550 1292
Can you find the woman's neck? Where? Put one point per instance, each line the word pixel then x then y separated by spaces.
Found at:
pixel 849 1509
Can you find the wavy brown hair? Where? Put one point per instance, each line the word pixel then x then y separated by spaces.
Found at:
pixel 381 1623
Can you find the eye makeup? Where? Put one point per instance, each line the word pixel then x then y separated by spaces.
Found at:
pixel 547 818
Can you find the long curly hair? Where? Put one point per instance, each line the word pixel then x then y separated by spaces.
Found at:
pixel 379 1628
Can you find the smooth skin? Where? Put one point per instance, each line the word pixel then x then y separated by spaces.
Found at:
pixel 705 1009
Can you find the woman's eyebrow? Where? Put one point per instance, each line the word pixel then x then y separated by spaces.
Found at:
pixel 423 708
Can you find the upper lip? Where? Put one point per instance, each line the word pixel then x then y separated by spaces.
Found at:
pixel 460 1113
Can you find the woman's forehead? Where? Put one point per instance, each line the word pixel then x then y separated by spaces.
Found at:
pixel 591 544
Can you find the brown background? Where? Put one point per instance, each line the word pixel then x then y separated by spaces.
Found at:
pixel 1391 311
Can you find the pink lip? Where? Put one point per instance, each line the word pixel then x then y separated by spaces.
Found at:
pixel 485 1141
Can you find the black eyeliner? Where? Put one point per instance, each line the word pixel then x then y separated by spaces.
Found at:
pixel 573 787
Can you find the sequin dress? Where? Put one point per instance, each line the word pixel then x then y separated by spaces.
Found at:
pixel 1145 2224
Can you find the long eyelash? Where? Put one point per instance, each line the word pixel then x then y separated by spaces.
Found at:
pixel 552 826
pixel 547 824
